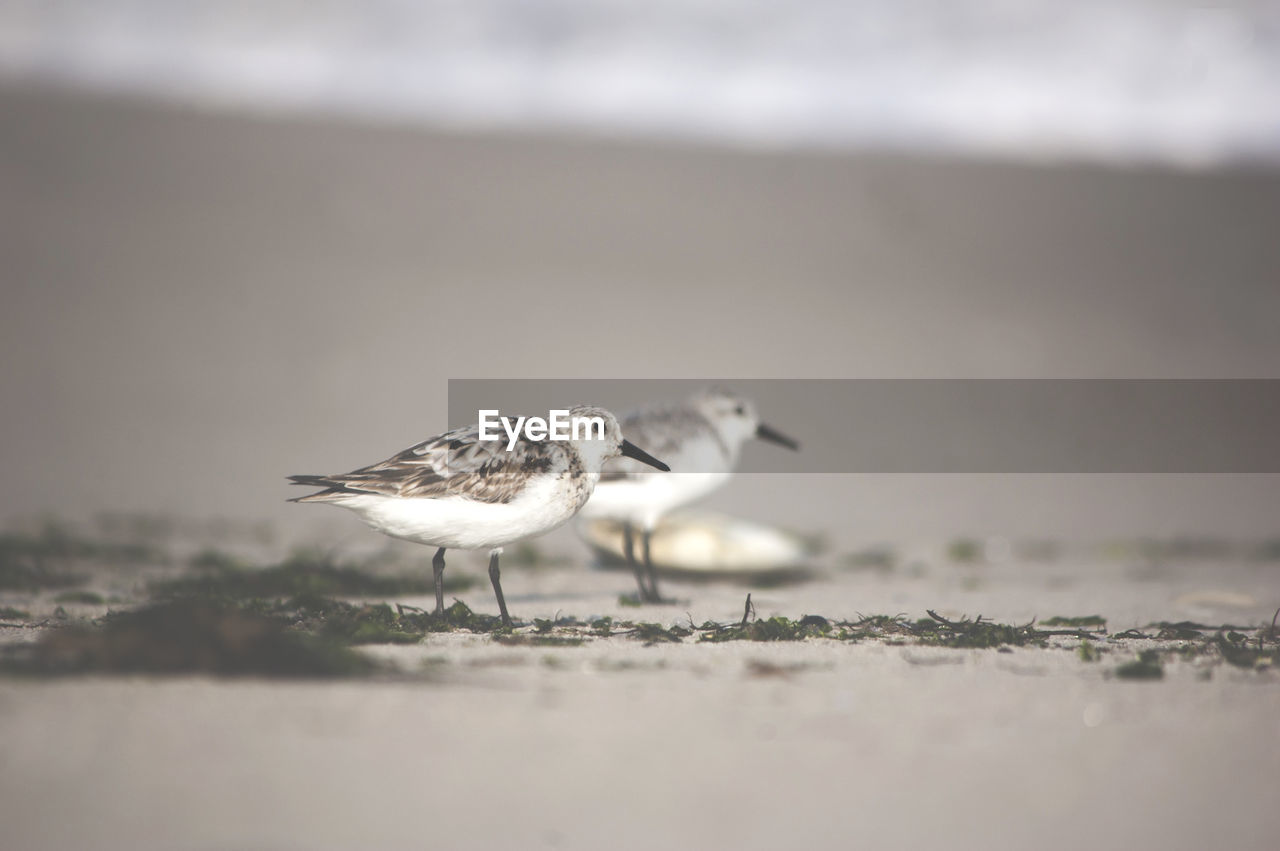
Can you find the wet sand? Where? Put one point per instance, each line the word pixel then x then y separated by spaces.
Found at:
pixel 199 304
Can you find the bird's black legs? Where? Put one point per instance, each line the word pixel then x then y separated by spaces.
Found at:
pixel 643 565
pixel 654 596
pixel 494 573
pixel 629 550
pixel 648 564
pixel 437 565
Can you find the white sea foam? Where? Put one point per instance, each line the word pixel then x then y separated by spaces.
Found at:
pixel 1116 80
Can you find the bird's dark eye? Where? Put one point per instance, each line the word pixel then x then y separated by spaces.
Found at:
pixel 740 410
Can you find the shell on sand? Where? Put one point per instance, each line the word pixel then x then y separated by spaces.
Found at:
pixel 701 544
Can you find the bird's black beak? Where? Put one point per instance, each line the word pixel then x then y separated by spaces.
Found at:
pixel 630 450
pixel 765 433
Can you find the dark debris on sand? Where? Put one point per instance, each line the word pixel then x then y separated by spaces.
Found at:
pixel 229 618
pixel 300 574
pixel 185 637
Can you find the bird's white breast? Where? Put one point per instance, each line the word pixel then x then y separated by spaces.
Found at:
pixel 457 522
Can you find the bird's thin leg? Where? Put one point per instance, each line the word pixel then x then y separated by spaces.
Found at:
pixel 437 565
pixel 629 550
pixel 654 596
pixel 494 573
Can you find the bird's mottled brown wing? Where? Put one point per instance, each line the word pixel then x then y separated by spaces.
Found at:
pixel 456 463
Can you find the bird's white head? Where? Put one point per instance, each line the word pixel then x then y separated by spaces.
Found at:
pixel 735 419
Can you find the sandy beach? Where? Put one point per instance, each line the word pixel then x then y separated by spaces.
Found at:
pixel 197 304
pixel 745 743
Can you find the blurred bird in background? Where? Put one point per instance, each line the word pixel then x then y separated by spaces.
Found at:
pixel 702 440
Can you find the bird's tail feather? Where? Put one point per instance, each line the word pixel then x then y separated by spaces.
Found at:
pixel 331 487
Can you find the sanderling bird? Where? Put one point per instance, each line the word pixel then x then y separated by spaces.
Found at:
pixel 701 439
pixel 460 491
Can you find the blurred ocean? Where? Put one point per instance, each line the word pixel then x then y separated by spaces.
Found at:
pixel 1159 81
